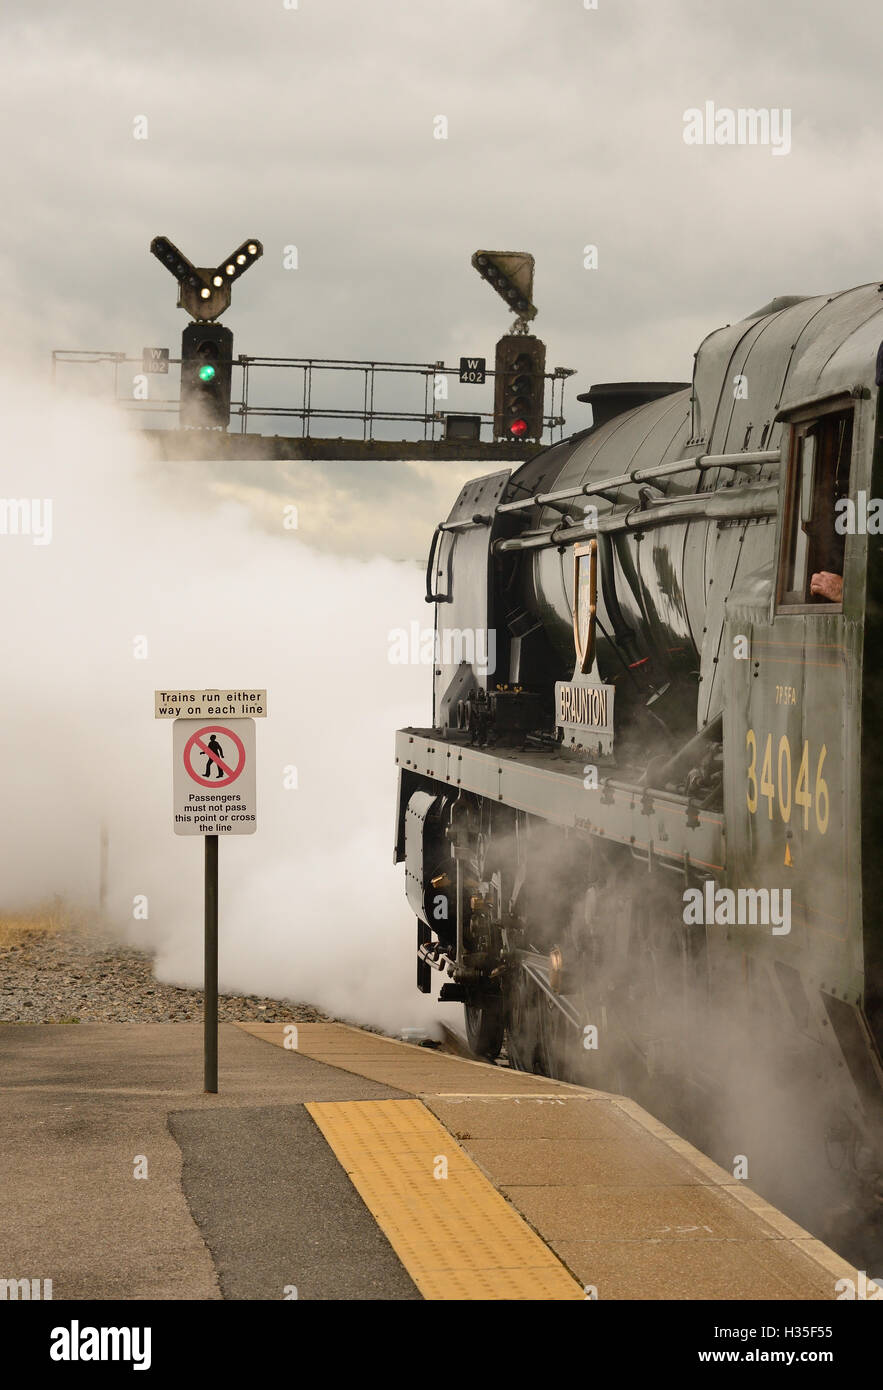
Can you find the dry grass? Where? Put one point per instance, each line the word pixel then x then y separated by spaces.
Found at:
pixel 16 927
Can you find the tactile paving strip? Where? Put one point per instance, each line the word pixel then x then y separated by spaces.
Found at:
pixel 457 1236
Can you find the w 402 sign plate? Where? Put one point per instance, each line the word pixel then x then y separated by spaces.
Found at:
pixel 473 370
pixel 214 777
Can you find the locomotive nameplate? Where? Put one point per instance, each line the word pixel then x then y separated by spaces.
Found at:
pixel 585 600
pixel 584 712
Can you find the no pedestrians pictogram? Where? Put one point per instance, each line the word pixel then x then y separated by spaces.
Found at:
pixel 214 756
pixel 214 777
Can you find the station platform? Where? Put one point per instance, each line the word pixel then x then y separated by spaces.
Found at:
pixel 339 1164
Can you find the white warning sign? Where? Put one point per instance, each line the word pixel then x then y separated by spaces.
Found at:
pixel 214 777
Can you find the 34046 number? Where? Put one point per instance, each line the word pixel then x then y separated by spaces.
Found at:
pixel 788 793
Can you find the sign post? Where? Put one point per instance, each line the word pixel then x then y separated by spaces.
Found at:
pixel 213 759
pixel 210 1006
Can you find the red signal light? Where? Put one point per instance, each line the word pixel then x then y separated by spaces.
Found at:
pixel 518 427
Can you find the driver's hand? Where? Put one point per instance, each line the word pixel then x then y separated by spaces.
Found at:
pixel 829 586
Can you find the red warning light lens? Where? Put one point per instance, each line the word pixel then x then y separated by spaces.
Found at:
pixel 518 427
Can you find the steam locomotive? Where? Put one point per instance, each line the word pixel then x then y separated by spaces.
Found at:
pixel 643 835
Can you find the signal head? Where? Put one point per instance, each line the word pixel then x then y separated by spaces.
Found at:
pixel 510 273
pixel 519 368
pixel 205 291
pixel 239 260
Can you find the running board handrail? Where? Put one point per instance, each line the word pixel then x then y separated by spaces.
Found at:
pixel 723 504
pixel 702 463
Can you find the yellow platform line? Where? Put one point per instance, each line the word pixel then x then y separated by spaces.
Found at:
pixel 456 1235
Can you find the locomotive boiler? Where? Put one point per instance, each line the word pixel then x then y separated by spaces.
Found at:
pixel 642 832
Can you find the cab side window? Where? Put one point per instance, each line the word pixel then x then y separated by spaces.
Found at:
pixel 818 477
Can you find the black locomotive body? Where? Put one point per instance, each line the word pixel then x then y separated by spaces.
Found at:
pixel 642 835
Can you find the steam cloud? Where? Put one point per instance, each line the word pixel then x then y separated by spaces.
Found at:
pixel 311 907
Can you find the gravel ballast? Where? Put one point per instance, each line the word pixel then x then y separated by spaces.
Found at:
pixel 74 976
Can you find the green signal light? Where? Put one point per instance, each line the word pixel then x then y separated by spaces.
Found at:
pixel 206 373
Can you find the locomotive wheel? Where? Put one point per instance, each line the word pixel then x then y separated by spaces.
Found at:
pixel 522 1025
pixel 484 1024
pixel 551 1053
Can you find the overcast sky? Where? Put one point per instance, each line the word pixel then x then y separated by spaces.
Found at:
pixel 314 127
